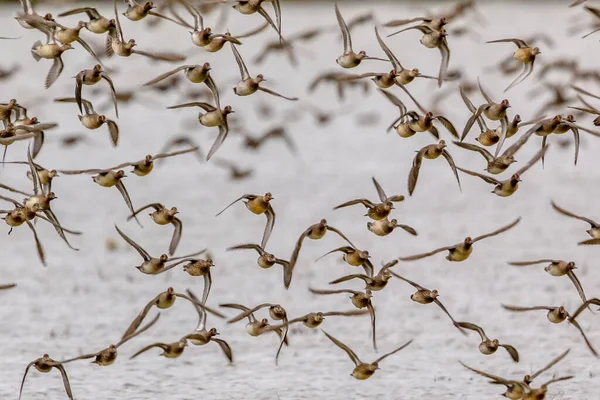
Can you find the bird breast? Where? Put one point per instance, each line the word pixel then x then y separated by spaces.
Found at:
pixel 348 60
pixel 196 75
pixel 48 51
pixel 487 347
pixel 246 88
pixel 524 55
pixel 91 121
pixel 215 44
pixel 212 118
pixel 264 263
pixel 404 130
pixel 14 219
pixel 380 228
pixel 66 36
pixel 506 189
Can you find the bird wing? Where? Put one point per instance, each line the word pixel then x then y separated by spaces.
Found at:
pixel 240 62
pixel 535 159
pixel 473 147
pixel 473 327
pixel 520 43
pixel 393 352
pixel 246 196
pixel 176 235
pixel 167 74
pixel 143 253
pixel 497 231
pixel 486 178
pixel 223 131
pixel 550 365
pixel 345 32
pixel 424 255
pixel 342 346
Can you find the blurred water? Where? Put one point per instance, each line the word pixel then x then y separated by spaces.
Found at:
pixel 84 300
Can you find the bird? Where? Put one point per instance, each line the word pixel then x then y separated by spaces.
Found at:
pixel 376 282
pixel 525 55
pixel 493 111
pixel 434 38
pixel 349 59
pixel 556 268
pixel 193 73
pixel 201 336
pixel 363 370
pixel 558 314
pixel 163 301
pixel 427 296
pixel 50 51
pixel 45 364
pixel 153 265
pixel 249 85
pixel 498 164
pixel 258 205
pixel 507 187
pixel 354 257
pixel 489 346
pixel 384 227
pixel 92 120
pixel 267 260
pixel 213 116
pixel 360 300
pixel 461 251
pixel 107 356
pixel 277 313
pixel 170 350
pixel 90 77
pixel 430 152
pixel 246 7
pixel 376 211
pixel 314 232
pixel 594 230
pixel 123 48
pixel 164 216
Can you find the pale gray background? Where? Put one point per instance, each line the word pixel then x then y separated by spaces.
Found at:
pixel 84 300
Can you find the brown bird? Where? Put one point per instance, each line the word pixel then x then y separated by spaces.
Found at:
pixel 363 370
pixel 489 346
pixel 92 120
pixel 525 54
pixel 163 301
pixel 499 164
pixel 359 300
pixel 493 111
pixel 164 216
pixel 153 265
pixel 374 283
pixel 277 313
pixel 201 336
pixel 558 314
pixel 90 77
pixel 594 230
pixel 258 205
pixel 376 211
pixel 354 257
pixel 45 365
pixel 461 251
pixel 108 355
pixel 267 260
pixel 314 232
pixel 509 186
pixel 556 268
pixel 430 152
pixel 427 296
